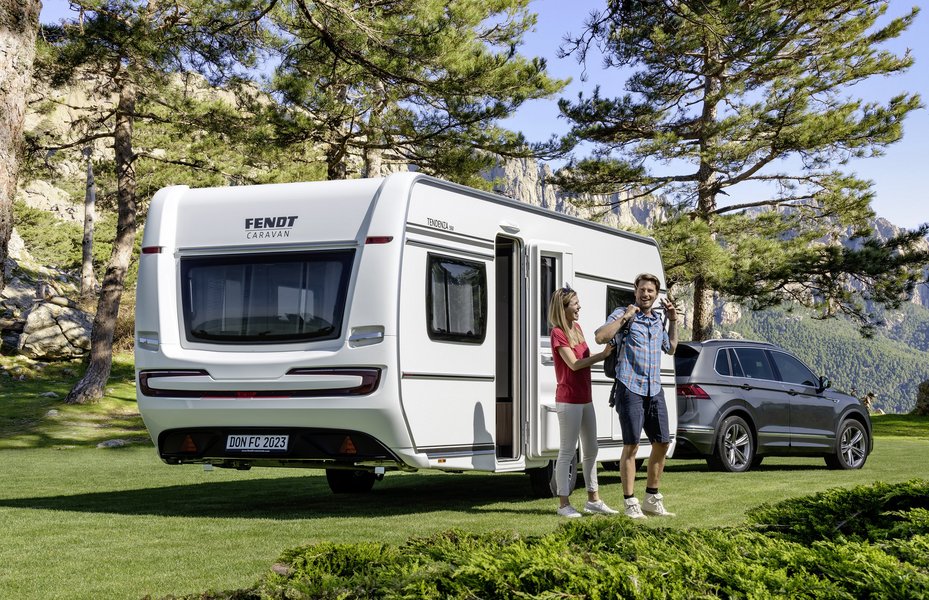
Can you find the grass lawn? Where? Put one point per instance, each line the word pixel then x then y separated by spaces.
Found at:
pixel 77 521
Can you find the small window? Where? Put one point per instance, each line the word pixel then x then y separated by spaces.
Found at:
pixel 548 281
pixel 755 363
pixel 792 370
pixel 456 300
pixel 722 363
pixel 618 298
pixel 734 361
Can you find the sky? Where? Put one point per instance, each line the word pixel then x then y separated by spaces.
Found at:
pixel 900 177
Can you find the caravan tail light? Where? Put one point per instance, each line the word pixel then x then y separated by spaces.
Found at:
pixel 692 390
pixel 378 239
pixel 152 249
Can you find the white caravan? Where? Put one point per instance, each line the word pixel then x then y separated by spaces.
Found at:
pixel 369 325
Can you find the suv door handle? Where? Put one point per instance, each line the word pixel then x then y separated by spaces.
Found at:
pixel 793 392
pixel 745 386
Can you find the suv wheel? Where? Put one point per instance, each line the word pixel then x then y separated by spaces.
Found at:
pixel 851 443
pixel 735 448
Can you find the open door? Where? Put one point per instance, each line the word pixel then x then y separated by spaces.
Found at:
pixel 551 265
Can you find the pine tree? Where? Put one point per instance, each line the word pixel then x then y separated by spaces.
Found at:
pixel 724 92
pixel 135 55
pixel 408 81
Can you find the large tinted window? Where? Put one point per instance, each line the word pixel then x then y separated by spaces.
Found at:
pixel 685 357
pixel 456 300
pixel 265 298
pixel 792 370
pixel 755 363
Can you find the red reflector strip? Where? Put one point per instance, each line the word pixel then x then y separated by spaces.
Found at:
pixel 152 249
pixel 378 239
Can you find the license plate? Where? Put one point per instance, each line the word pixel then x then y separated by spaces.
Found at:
pixel 257 443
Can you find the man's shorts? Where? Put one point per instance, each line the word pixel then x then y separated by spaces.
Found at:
pixel 642 412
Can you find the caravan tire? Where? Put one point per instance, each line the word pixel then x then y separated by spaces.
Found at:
pixel 542 479
pixel 348 481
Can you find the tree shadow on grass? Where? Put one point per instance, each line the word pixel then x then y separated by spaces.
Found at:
pixel 306 497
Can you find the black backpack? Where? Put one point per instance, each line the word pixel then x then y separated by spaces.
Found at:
pixel 609 363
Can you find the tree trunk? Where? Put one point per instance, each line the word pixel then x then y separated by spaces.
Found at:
pixel 88 281
pixel 19 22
pixel 706 205
pixel 703 310
pixel 335 162
pixel 92 384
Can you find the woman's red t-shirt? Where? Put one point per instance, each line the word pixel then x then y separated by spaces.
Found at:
pixel 573 386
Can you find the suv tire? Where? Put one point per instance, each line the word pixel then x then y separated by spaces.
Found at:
pixel 851 446
pixel 735 447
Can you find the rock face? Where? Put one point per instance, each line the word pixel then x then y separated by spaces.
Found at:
pixel 55 332
pixel 527 181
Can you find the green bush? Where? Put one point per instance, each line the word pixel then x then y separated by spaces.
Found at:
pixel 867 542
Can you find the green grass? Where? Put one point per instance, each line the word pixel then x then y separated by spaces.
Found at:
pixel 77 521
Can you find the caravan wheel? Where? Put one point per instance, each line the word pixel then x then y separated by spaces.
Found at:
pixel 542 479
pixel 348 481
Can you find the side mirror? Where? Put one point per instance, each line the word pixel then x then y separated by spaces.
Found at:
pixel 824 384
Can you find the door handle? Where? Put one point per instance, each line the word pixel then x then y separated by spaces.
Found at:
pixel 547 359
pixel 745 386
pixel 793 392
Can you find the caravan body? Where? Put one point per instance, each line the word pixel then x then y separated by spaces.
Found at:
pixel 368 325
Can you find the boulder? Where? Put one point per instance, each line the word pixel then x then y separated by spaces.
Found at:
pixel 55 332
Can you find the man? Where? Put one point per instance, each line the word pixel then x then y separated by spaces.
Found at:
pixel 640 400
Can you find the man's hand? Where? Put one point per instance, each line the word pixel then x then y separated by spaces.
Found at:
pixel 670 309
pixel 630 312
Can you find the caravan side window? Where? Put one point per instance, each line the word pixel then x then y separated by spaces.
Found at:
pixel 456 300
pixel 616 297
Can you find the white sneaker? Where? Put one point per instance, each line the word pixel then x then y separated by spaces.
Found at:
pixel 633 509
pixel 599 507
pixel 654 507
pixel 568 511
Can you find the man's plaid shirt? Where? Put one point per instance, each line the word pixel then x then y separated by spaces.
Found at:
pixel 639 367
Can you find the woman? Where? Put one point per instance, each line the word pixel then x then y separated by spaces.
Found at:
pixel 576 416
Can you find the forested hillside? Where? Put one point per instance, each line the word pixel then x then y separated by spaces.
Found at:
pixel 891 364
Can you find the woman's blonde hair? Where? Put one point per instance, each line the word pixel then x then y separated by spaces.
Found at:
pixel 556 314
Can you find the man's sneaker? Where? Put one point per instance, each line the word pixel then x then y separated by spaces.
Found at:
pixel 633 510
pixel 599 507
pixel 568 511
pixel 654 506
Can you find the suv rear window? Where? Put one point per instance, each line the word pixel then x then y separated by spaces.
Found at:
pixel 265 298
pixel 685 357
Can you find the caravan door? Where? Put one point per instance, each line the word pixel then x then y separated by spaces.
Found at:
pixel 551 265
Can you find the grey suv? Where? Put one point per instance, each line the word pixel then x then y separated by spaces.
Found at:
pixel 739 401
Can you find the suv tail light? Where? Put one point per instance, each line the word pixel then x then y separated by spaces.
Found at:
pixel 692 390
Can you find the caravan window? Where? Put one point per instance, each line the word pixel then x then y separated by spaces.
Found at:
pixel 456 300
pixel 265 298
pixel 616 298
pixel 548 281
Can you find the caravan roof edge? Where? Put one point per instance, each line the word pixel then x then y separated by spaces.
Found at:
pixel 499 199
